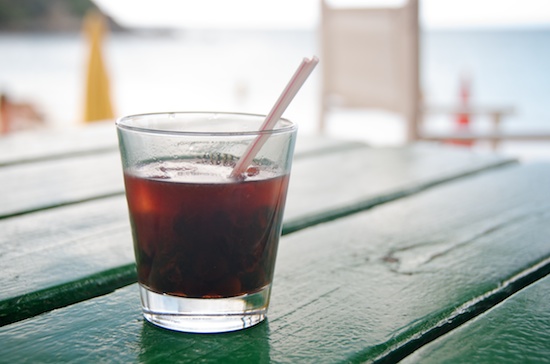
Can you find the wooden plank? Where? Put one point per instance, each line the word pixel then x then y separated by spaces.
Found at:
pixel 517 331
pixel 44 185
pixel 343 183
pixel 99 137
pixel 70 242
pixel 25 147
pixel 471 110
pixel 539 135
pixel 79 177
pixel 356 289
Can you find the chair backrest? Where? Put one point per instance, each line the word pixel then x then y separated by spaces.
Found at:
pixel 370 59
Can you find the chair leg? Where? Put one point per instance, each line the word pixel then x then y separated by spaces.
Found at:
pixel 496 117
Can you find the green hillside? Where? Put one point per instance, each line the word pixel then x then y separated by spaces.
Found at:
pixel 43 15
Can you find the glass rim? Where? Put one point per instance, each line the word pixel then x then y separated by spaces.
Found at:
pixel 120 123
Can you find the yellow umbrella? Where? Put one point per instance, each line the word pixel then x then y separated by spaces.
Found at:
pixel 98 98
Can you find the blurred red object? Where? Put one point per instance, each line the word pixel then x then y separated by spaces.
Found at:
pixel 462 122
pixel 464 118
pixel 16 116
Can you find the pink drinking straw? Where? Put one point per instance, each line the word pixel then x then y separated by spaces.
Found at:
pixel 292 88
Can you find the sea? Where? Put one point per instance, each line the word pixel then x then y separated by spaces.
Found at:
pixel 245 71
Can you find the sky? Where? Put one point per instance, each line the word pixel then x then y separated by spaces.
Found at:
pixel 305 13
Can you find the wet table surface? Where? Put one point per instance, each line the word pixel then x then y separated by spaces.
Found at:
pixel 422 253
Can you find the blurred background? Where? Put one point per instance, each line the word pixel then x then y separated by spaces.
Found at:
pixel 178 55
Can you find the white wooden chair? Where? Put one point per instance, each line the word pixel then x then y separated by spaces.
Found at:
pixel 370 60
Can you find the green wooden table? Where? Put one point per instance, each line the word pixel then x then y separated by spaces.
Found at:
pixel 424 253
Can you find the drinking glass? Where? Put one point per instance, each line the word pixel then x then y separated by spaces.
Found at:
pixel 205 241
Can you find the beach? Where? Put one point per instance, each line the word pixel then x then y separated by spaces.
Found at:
pixel 245 70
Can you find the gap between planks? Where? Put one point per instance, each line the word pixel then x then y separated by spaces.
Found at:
pixel 459 316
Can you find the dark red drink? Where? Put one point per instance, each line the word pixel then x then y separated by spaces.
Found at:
pixel 198 234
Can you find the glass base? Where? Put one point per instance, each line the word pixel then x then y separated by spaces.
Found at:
pixel 204 315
